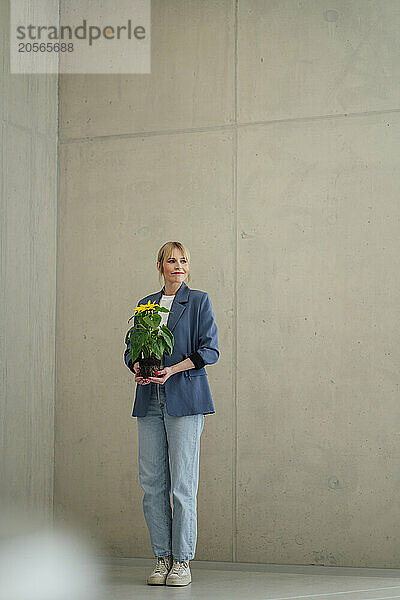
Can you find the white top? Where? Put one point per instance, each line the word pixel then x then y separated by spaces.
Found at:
pixel 165 301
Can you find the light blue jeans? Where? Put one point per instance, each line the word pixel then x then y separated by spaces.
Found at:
pixel 168 456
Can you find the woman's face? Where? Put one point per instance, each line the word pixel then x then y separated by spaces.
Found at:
pixel 175 268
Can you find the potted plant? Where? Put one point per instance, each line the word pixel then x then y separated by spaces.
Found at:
pixel 148 341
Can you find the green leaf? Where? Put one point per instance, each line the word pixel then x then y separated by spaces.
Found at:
pixel 156 320
pixel 160 348
pixel 154 348
pixel 167 339
pixel 137 340
pixel 152 321
pixel 168 333
pixel 128 333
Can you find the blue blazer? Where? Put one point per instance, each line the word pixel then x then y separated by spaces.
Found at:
pixel 191 320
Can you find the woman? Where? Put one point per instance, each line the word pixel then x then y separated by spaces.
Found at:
pixel 170 409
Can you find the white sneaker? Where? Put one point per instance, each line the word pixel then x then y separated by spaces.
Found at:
pixel 179 574
pixel 162 568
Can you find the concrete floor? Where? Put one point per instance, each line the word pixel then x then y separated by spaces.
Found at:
pixel 126 579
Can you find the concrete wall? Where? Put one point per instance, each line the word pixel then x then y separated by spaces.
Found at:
pixel 28 282
pixel 266 139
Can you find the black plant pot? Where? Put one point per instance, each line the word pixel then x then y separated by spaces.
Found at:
pixel 149 366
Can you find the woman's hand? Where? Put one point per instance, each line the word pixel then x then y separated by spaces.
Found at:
pixel 162 375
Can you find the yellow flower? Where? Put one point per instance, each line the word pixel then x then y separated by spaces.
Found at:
pixel 144 307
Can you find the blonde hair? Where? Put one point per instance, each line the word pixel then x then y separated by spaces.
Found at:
pixel 165 252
